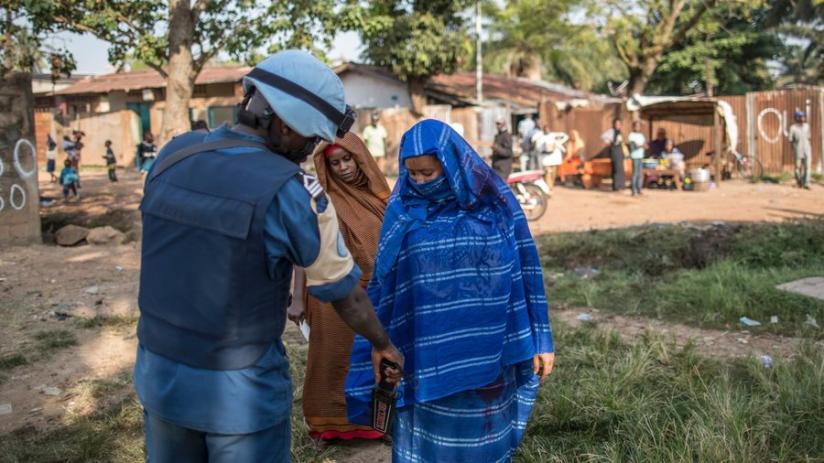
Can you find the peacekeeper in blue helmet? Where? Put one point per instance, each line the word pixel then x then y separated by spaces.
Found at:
pixel 226 216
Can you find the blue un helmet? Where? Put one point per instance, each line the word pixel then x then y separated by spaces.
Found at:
pixel 799 115
pixel 304 93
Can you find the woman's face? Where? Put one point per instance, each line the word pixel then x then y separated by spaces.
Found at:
pixel 342 165
pixel 423 169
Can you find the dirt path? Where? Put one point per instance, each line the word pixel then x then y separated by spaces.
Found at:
pixel 710 343
pixel 574 209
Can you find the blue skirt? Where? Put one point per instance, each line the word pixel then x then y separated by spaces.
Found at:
pixel 481 425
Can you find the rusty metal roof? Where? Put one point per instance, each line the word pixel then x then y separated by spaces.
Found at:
pixel 138 80
pixel 516 90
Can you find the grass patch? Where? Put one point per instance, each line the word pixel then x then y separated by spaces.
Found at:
pixel 606 401
pixel 109 321
pixel 7 362
pixel 50 341
pixel 708 276
pixel 653 401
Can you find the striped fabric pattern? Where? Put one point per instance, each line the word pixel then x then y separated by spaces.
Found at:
pixel 458 285
pixel 481 425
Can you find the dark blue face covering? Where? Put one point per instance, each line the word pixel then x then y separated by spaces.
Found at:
pixel 436 190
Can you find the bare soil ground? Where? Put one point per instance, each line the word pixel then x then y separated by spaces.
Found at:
pixel 68 312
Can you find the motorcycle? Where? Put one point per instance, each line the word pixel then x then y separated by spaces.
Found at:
pixel 531 191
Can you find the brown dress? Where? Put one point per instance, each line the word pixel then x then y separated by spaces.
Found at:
pixel 360 207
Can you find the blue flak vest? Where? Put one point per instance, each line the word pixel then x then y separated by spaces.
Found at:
pixel 207 298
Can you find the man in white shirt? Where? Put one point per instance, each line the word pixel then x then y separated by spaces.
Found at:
pixel 802 149
pixel 637 142
pixel 374 135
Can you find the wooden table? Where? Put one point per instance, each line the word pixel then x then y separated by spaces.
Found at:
pixel 674 173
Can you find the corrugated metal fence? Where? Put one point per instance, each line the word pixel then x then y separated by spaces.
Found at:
pixel 763 120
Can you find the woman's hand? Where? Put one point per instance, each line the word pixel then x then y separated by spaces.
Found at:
pixel 542 365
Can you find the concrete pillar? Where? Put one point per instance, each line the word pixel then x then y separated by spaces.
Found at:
pixel 19 197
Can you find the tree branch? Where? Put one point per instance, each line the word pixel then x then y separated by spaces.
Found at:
pixel 681 34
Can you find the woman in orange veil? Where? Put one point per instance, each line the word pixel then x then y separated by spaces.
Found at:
pixel 359 192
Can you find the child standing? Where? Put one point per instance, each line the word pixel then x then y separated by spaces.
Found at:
pixel 111 162
pixel 68 178
pixel 51 155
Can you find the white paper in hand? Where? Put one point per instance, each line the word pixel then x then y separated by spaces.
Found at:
pixel 304 328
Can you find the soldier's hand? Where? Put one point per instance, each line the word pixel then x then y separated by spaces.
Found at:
pixel 296 312
pixel 393 375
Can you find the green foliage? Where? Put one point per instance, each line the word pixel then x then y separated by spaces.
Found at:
pixel 737 50
pixel 652 401
pixel 644 31
pixel 138 30
pixel 706 277
pixel 24 28
pixel 415 39
pixel 544 35
pixel 800 24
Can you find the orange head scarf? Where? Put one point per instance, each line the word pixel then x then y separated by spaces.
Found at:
pixel 360 205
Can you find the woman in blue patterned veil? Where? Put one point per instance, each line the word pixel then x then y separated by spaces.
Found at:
pixel 458 284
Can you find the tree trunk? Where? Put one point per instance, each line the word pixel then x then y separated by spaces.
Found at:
pixel 417 93
pixel 639 77
pixel 180 82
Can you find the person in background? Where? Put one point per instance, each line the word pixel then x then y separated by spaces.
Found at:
pixel 575 147
pixel 458 284
pixel 525 126
pixel 200 124
pixel 51 156
pixel 637 142
pixel 527 130
pixel 78 148
pixel 550 145
pixel 657 146
pixel 358 190
pixel 615 139
pixel 146 152
pixel 375 137
pixel 111 162
pixel 502 150
pixel 802 149
pixel 675 157
pixel 68 179
pixel 71 152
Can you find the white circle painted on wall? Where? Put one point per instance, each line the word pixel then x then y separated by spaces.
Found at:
pixel 17 205
pixel 18 165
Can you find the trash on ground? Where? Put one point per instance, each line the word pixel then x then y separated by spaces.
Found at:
pixel 92 289
pixel 586 272
pixel 810 321
pixel 5 409
pixel 749 322
pixel 766 361
pixel 742 340
pixel 60 315
pixel 584 317
pixel 774 319
pixel 118 268
pixel 51 390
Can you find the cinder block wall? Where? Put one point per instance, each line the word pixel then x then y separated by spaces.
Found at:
pixel 19 197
